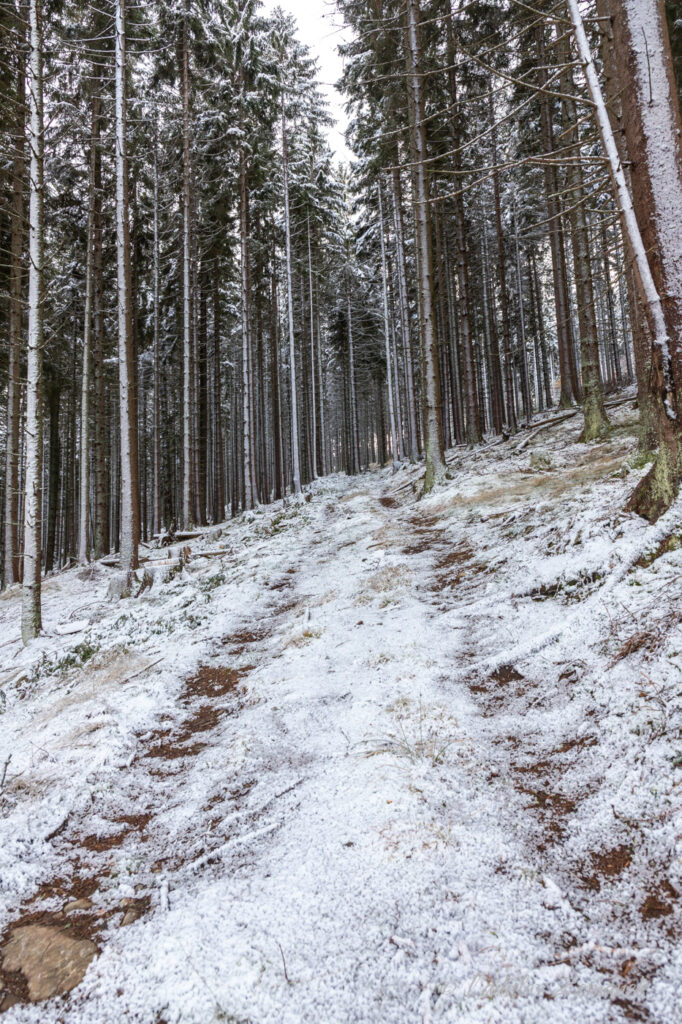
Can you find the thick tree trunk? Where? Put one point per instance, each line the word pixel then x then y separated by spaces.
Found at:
pixel 648 400
pixel 650 217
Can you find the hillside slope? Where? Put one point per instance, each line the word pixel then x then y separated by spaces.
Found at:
pixel 363 758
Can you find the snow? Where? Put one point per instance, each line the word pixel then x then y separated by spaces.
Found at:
pixel 376 829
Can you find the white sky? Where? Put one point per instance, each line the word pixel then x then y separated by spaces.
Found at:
pixel 319 27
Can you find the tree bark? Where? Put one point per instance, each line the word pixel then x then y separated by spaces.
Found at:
pixel 11 571
pixel 653 128
pixel 31 597
pixel 433 434
pixel 129 503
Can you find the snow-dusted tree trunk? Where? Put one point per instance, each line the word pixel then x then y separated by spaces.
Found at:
pixel 11 570
pixel 247 355
pixel 156 453
pixel 387 337
pixel 413 439
pixel 527 404
pixel 129 505
pixel 433 435
pixel 650 216
pixel 295 460
pixel 313 400
pixel 86 377
pixel 186 285
pixel 30 609
pixel 596 424
pixel 354 440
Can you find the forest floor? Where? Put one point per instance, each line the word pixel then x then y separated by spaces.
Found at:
pixel 362 758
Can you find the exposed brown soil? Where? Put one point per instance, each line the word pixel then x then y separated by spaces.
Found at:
pixel 506 674
pixel 243 638
pixel 389 502
pixel 82 878
pixel 660 902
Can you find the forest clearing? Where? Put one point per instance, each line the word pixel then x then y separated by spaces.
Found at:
pixel 340 514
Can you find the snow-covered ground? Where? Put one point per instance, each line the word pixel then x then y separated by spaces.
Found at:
pixel 371 759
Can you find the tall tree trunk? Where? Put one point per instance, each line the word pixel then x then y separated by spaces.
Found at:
pixel 648 400
pixel 569 386
pixel 218 443
pixel 387 339
pixel 433 434
pixel 653 130
pixel 187 391
pixel 406 334
pixel 313 396
pixel 596 424
pixel 84 467
pixel 504 294
pixel 31 604
pixel 11 570
pixel 295 458
pixel 354 442
pixel 101 543
pixel 156 442
pixel 473 424
pixel 129 503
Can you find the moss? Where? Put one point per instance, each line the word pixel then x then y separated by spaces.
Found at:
pixel 641 459
pixel 656 492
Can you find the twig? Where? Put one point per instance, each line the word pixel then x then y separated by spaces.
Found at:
pixel 284 964
pixel 141 670
pixel 4 772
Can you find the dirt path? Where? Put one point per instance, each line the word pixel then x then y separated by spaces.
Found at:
pixel 345 819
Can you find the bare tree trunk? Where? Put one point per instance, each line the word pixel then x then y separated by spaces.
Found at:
pixel 433 439
pixel 187 465
pixel 313 397
pixel 648 401
pixel 413 436
pixel 596 424
pixel 129 504
pixel 295 458
pixel 84 467
pixel 218 443
pixel 156 444
pixel 653 128
pixel 387 340
pixel 31 605
pixel 11 571
pixel 527 403
pixel 504 294
pixel 569 386
pixel 354 442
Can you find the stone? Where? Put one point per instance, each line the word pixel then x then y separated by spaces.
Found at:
pixel 82 904
pixel 134 910
pixel 52 962
pixel 119 587
pixel 540 460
